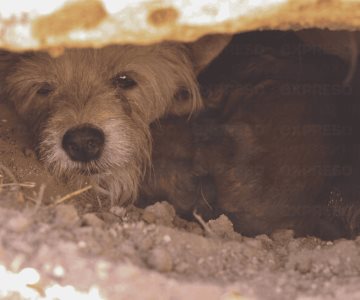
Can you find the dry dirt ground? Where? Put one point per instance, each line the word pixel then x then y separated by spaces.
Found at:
pixel 72 251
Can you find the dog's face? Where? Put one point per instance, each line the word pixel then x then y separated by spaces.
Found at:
pixel 90 109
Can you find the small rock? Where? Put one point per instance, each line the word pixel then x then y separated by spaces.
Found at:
pixel 28 152
pixel 82 244
pixel 294 245
pixel 254 243
pixel 19 223
pixel 118 211
pixel 167 238
pixel 108 217
pixel 91 219
pixel 160 213
pixel 222 227
pixel 232 296
pixel 304 266
pixel 144 243
pixel 102 269
pixel 182 267
pixel 67 215
pixel 58 271
pixel 161 260
pixel 263 237
pixel 282 235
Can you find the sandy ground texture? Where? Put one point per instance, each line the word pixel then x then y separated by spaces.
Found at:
pixel 62 252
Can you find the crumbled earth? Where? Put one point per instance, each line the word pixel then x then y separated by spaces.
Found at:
pixel 150 253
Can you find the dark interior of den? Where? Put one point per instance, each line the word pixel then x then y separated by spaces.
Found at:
pixel 277 145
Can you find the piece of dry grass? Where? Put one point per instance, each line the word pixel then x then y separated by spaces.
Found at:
pixel 73 194
pixel 39 198
pixel 1 181
pixel 7 172
pixel 27 184
pixel 206 227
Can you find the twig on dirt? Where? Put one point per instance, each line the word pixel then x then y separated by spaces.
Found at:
pixel 29 185
pixel 73 194
pixel 31 199
pixel 99 201
pixel 1 181
pixel 7 172
pixel 203 223
pixel 39 198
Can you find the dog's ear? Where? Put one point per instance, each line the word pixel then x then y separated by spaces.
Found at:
pixel 8 60
pixel 206 49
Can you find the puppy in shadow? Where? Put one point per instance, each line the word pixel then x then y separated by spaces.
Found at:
pixel 272 148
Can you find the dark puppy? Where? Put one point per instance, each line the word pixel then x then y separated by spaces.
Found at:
pixel 271 149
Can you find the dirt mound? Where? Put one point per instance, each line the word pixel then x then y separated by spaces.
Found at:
pixel 146 253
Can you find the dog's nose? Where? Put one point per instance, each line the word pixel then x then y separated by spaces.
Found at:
pixel 83 143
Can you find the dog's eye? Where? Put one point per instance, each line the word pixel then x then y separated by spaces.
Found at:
pixel 182 94
pixel 123 81
pixel 45 89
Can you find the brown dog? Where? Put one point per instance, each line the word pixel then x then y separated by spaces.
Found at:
pixel 90 109
pixel 269 150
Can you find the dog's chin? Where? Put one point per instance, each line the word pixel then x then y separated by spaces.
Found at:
pixel 88 171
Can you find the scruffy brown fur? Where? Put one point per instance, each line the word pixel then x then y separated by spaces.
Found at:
pixel 83 93
pixel 108 97
pixel 268 151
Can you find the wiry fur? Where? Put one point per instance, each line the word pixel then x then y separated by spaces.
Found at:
pixel 261 151
pixel 83 93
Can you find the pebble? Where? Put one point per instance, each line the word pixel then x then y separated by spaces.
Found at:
pixel 304 266
pixel 118 211
pixel 91 219
pixel 28 152
pixel 67 215
pixel 160 213
pixel 282 235
pixel 222 227
pixel 19 223
pixel 182 267
pixel 59 271
pixel 108 217
pixel 160 259
pixel 167 238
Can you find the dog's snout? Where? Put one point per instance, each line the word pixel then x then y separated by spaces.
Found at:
pixel 84 143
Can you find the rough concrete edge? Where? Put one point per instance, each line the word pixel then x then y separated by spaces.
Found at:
pixel 97 23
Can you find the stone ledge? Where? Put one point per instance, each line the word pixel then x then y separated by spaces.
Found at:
pixel 24 24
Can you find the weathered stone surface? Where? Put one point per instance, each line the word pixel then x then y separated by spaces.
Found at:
pixel 26 24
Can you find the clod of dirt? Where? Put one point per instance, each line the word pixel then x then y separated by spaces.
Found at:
pixel 91 219
pixel 282 235
pixel 19 223
pixel 66 215
pixel 161 213
pixel 160 259
pixel 222 227
pixel 128 258
pixel 118 211
pixel 29 152
pixel 108 217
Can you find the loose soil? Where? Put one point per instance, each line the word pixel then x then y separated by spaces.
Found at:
pixel 149 253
